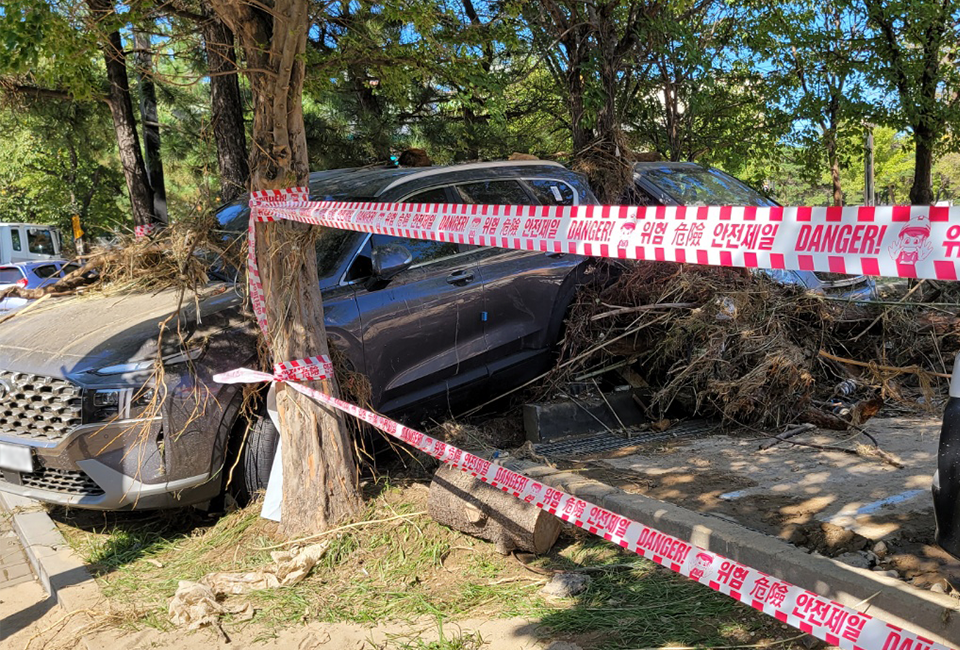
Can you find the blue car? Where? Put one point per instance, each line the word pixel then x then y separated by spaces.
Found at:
pixel 31 275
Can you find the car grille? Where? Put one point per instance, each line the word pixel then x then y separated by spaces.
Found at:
pixel 38 408
pixel 61 480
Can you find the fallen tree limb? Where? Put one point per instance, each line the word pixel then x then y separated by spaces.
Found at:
pixel 24 309
pixel 909 370
pixel 789 433
pixel 630 310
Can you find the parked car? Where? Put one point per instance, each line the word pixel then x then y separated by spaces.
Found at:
pixel 31 275
pixel 428 322
pixel 946 480
pixel 686 183
pixel 26 242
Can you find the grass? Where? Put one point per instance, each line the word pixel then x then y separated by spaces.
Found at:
pixel 409 570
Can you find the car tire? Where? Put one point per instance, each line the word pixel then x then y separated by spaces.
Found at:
pixel 256 458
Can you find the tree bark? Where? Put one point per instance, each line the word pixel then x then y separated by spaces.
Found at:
pixel 226 107
pixel 124 123
pixel 467 504
pixel 834 168
pixel 320 483
pixel 149 119
pixel 921 193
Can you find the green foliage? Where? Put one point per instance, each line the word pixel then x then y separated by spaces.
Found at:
pixel 56 160
pixel 702 96
pixel 757 90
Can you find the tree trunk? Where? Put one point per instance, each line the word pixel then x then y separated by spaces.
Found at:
pixel 149 119
pixel 467 504
pixel 320 483
pixel 921 193
pixel 580 131
pixel 226 107
pixel 834 169
pixel 121 109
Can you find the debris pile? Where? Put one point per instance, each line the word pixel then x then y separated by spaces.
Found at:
pixel 737 345
pixel 182 255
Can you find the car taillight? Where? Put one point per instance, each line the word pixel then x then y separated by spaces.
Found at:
pixel 22 283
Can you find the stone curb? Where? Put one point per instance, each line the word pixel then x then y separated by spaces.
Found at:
pixel 62 574
pixel 929 614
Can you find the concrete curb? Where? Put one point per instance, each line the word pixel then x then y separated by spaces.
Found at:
pixel 62 574
pixel 930 614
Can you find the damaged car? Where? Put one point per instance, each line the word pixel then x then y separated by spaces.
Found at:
pixel 100 411
pixel 692 184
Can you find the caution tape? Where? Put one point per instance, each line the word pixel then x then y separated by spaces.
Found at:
pixel 920 242
pixel 890 241
pixel 144 231
pixel 825 619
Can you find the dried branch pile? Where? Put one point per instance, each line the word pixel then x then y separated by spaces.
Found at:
pixel 724 342
pixel 179 256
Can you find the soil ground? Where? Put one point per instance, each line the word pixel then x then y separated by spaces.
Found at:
pixel 829 502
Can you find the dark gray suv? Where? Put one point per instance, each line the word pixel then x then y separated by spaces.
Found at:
pixel 85 420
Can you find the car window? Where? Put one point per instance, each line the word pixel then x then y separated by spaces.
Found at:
pixel 46 271
pixel 10 275
pixel 15 237
pixel 435 195
pixel 550 192
pixel 69 268
pixel 694 186
pixel 422 250
pixel 40 241
pixel 636 195
pixel 332 246
pixel 507 192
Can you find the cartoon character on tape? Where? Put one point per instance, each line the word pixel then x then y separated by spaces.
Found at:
pixel 912 244
pixel 626 231
pixel 702 566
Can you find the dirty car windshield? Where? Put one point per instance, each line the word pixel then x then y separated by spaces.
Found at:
pixel 703 187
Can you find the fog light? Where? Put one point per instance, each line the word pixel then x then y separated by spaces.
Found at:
pixel 106 399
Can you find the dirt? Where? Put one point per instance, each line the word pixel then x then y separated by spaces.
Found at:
pixel 825 502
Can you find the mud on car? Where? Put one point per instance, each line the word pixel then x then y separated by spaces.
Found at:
pixel 86 419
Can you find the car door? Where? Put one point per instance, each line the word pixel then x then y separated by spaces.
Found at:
pixel 522 290
pixel 422 330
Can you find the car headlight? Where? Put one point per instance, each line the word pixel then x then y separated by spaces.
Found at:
pixel 119 403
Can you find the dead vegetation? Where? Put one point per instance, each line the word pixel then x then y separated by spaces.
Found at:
pixel 179 256
pixel 726 343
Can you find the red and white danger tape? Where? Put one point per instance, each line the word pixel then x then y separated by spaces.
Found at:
pixel 825 619
pixel 145 231
pixel 899 242
pixel 890 241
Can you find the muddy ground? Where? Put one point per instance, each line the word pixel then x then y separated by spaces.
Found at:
pixel 859 510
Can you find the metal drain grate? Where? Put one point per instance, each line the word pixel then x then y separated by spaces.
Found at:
pixel 607 441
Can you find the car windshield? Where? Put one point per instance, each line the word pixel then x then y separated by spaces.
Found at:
pixel 697 186
pixel 333 245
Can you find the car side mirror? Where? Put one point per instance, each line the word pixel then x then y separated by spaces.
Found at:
pixel 390 260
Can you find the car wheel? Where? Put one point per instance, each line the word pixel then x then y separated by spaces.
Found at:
pixel 257 450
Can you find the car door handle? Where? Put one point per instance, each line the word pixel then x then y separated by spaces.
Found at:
pixel 460 277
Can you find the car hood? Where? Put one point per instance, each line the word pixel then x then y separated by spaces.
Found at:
pixel 72 337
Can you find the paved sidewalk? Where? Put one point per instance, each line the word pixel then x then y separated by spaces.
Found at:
pixel 14 567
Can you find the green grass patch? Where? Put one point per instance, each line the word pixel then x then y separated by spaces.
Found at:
pixel 410 569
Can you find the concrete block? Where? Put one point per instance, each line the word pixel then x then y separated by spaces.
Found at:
pixel 555 420
pixel 933 615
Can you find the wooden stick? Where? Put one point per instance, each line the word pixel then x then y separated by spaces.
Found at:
pixel 912 370
pixel 630 310
pixel 789 433
pixel 24 309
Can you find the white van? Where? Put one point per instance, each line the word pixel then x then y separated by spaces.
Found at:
pixel 26 242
